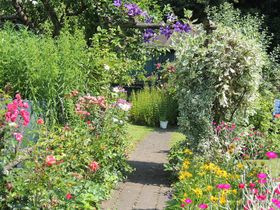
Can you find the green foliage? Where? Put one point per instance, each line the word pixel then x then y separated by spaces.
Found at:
pixel 152 104
pixel 218 75
pixel 44 70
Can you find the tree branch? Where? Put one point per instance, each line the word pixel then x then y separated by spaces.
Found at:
pixel 53 16
pixel 8 17
pixel 21 14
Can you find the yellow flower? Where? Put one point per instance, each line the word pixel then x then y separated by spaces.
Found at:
pixel 213 199
pixel 184 174
pixel 188 152
pixel 223 200
pixel 198 192
pixel 240 166
pixel 209 188
pixel 186 164
pixel 234 192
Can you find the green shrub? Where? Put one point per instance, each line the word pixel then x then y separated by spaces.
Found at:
pixel 217 78
pixel 151 104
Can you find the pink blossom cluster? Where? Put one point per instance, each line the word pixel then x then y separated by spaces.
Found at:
pixel 124 105
pixel 18 108
pixel 86 102
pixel 189 201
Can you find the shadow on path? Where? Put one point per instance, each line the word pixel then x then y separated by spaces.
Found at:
pixel 148 173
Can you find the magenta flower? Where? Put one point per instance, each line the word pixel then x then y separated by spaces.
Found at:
pixel 262 175
pixel 18 136
pixel 271 155
pixel 223 186
pixel 261 197
pixel 188 201
pixel 203 206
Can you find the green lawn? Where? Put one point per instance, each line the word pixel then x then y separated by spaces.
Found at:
pixel 137 133
pixel 176 137
pixel 273 165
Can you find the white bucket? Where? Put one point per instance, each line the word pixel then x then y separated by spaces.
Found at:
pixel 163 124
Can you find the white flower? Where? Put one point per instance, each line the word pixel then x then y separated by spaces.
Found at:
pixel 13 124
pixel 106 67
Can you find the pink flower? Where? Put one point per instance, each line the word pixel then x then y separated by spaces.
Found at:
pixel 25 105
pixel 182 205
pixel 18 136
pixel 223 186
pixel 271 155
pixel 94 166
pixel 261 197
pixel 50 160
pixel 40 121
pixel 203 206
pixel 252 185
pixel 255 190
pixel 158 65
pixel 262 175
pixel 188 201
pixel 18 97
pixel 262 181
pixel 241 186
pixel 68 196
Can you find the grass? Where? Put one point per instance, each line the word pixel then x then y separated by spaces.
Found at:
pixel 272 165
pixel 136 133
pixel 176 137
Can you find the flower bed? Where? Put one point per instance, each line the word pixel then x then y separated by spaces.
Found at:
pixel 70 167
pixel 227 180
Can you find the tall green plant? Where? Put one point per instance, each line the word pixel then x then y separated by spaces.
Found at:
pixel 151 105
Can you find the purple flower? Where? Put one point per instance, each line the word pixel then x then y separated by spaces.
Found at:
pixel 166 31
pixel 133 10
pixel 148 34
pixel 149 19
pixel 171 17
pixel 117 3
pixel 180 27
pixel 187 28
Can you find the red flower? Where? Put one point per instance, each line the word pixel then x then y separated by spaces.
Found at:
pixel 40 121
pixel 241 186
pixel 50 160
pixel 94 166
pixel 68 196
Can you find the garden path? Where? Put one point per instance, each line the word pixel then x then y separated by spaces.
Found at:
pixel 147 187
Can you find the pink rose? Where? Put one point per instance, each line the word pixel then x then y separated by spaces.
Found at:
pixel 50 160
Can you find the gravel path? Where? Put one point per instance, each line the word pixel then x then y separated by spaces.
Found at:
pixel 146 187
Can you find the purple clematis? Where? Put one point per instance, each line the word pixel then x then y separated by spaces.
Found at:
pixel 166 31
pixel 117 3
pixel 133 10
pixel 148 34
pixel 180 27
